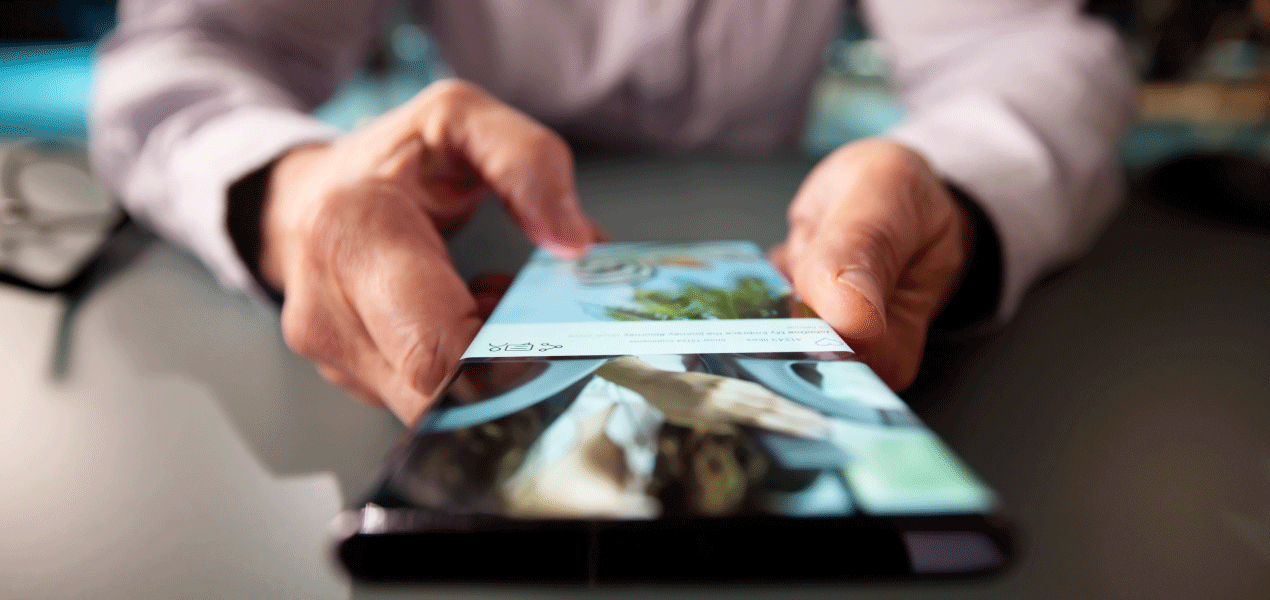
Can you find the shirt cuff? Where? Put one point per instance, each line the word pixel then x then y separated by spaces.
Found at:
pixel 979 145
pixel 973 304
pixel 212 159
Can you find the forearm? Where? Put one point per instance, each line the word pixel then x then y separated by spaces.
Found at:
pixel 189 98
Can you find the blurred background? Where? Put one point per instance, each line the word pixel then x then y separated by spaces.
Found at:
pixel 1200 141
pixel 1205 65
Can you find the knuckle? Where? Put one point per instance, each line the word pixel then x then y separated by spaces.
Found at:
pixel 903 168
pixel 332 375
pixel 452 92
pixel 329 225
pixel 714 386
pixel 885 163
pixel 548 147
pixel 890 156
pixel 306 333
pixel 443 104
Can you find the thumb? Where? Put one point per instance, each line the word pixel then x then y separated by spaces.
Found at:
pixel 850 265
pixel 848 296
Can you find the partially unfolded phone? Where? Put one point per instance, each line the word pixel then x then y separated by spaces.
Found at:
pixel 668 413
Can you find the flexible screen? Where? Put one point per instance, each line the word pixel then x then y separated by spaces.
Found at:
pixel 651 380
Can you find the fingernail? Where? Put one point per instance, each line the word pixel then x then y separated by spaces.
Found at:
pixel 864 283
pixel 570 234
pixel 598 233
pixel 559 250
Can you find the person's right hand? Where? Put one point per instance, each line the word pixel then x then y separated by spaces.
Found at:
pixel 352 234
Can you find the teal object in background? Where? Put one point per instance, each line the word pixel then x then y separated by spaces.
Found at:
pixel 1149 144
pixel 843 110
pixel 360 100
pixel 44 90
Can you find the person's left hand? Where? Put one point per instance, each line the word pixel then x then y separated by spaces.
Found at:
pixel 876 246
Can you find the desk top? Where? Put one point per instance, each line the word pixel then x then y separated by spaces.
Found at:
pixel 1123 416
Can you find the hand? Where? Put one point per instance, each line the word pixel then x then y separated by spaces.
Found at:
pixel 876 246
pixel 352 234
pixel 713 402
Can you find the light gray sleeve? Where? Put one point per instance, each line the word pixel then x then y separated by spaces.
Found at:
pixel 1022 104
pixel 191 95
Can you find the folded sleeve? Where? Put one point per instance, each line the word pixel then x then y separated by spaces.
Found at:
pixel 1021 104
pixel 189 96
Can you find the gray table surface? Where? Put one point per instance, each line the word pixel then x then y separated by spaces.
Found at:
pixel 1124 416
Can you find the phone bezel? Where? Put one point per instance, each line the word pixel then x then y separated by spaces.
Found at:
pixel 404 545
pixel 388 541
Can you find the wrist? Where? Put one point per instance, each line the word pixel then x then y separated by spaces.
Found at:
pixel 245 199
pixel 283 187
pixel 976 295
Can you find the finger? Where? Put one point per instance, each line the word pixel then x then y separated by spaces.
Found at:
pixel 806 212
pixel 490 283
pixel 320 325
pixel 779 257
pixel 601 235
pixel 445 185
pixel 421 329
pixel 895 358
pixel 452 174
pixel 488 289
pixel 527 165
pixel 485 305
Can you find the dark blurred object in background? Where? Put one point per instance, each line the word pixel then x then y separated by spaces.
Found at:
pixel 1120 13
pixel 55 217
pixel 1226 188
pixel 1185 31
pixel 61 20
pixel 1209 68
